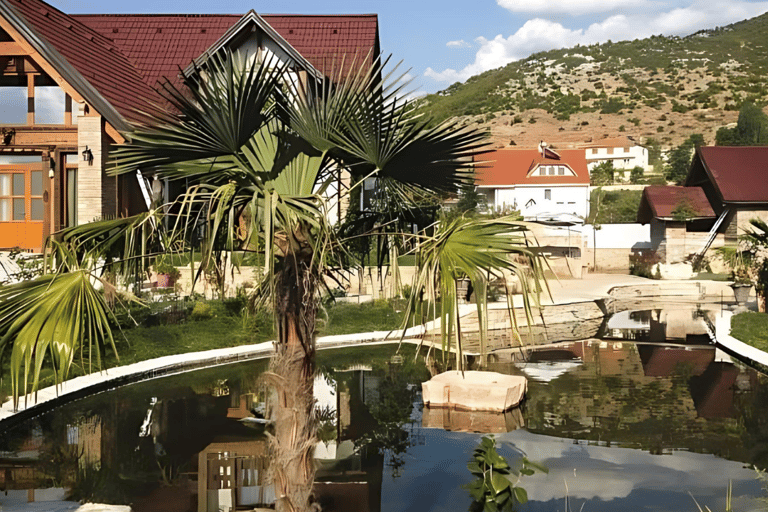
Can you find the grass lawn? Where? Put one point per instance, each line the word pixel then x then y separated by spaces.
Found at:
pixel 751 328
pixel 345 318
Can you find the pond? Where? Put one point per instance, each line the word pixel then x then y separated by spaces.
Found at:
pixel 621 422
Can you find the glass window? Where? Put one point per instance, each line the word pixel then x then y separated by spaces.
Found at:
pixel 552 170
pixel 36 183
pixel 19 159
pixel 547 193
pixel 19 210
pixel 561 171
pixel 49 105
pixel 71 197
pixel 5 210
pixel 18 185
pixel 13 105
pixel 5 184
pixel 37 210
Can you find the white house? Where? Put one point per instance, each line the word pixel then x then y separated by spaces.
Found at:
pixel 624 152
pixel 540 183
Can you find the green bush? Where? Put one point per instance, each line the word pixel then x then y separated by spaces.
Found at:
pixel 201 311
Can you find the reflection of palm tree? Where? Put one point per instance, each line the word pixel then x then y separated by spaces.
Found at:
pixel 260 157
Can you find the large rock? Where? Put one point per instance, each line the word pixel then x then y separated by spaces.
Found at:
pixel 474 391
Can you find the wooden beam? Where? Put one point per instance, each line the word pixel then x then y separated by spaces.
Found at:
pixel 39 60
pixel 12 49
pixel 113 134
pixel 67 109
pixel 45 66
pixel 30 99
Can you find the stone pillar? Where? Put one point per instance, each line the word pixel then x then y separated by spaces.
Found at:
pixel 96 192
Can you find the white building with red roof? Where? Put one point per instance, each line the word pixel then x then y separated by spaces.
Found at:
pixel 71 87
pixel 540 183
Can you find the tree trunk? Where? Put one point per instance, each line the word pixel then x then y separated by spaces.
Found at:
pixel 291 374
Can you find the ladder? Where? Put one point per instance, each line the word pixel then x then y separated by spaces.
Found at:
pixel 711 237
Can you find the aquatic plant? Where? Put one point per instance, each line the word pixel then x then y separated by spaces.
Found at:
pixel 496 487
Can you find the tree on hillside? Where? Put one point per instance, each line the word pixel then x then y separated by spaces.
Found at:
pixel 654 153
pixel 751 128
pixel 679 159
pixel 260 157
pixel 602 174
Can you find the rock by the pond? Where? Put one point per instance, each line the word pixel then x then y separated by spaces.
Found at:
pixel 474 391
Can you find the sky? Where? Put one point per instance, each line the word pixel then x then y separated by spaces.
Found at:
pixel 444 41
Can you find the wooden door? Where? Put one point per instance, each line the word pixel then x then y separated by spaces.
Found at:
pixel 23 206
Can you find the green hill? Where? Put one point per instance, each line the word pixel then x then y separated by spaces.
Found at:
pixel 710 71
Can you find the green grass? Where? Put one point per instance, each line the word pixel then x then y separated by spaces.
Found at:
pixel 751 328
pixel 343 318
pixel 710 276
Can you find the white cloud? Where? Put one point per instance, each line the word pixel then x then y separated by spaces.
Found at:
pixel 540 34
pixel 570 6
pixel 458 44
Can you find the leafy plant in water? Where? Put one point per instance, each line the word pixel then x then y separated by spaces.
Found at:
pixel 493 488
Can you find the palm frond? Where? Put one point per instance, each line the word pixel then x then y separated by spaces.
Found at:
pixel 217 112
pixel 55 315
pixel 479 250
pixel 118 245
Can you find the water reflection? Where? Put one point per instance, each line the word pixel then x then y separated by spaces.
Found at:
pixel 626 425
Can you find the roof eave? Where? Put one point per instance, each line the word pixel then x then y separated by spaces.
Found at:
pixel 65 69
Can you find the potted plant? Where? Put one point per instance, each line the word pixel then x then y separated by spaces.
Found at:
pixel 167 274
pixel 742 284
pixel 761 285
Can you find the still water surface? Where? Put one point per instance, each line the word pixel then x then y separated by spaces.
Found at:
pixel 621 425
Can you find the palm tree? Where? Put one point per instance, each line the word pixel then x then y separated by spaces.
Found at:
pixel 260 154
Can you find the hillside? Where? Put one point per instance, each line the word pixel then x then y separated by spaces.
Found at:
pixel 664 88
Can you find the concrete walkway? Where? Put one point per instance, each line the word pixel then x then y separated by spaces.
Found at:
pixel 722 336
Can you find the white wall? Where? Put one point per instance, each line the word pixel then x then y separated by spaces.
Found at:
pixel 563 199
pixel 618 236
pixel 622 157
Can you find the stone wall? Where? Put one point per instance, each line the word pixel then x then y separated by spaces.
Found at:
pixel 96 192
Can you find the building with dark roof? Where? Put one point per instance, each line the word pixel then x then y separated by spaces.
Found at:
pixel 725 188
pixel 72 86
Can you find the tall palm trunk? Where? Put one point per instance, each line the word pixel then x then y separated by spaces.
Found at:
pixel 292 374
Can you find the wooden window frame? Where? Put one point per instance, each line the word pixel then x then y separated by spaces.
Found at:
pixel 25 171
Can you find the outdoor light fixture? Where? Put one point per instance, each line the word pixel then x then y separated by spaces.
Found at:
pixel 51 168
pixel 88 156
pixel 8 136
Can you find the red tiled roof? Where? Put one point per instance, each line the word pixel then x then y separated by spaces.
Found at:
pixel 158 45
pixel 661 202
pixel 95 57
pixel 739 173
pixel 508 167
pixel 330 42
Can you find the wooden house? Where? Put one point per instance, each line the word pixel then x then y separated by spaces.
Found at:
pixel 73 86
